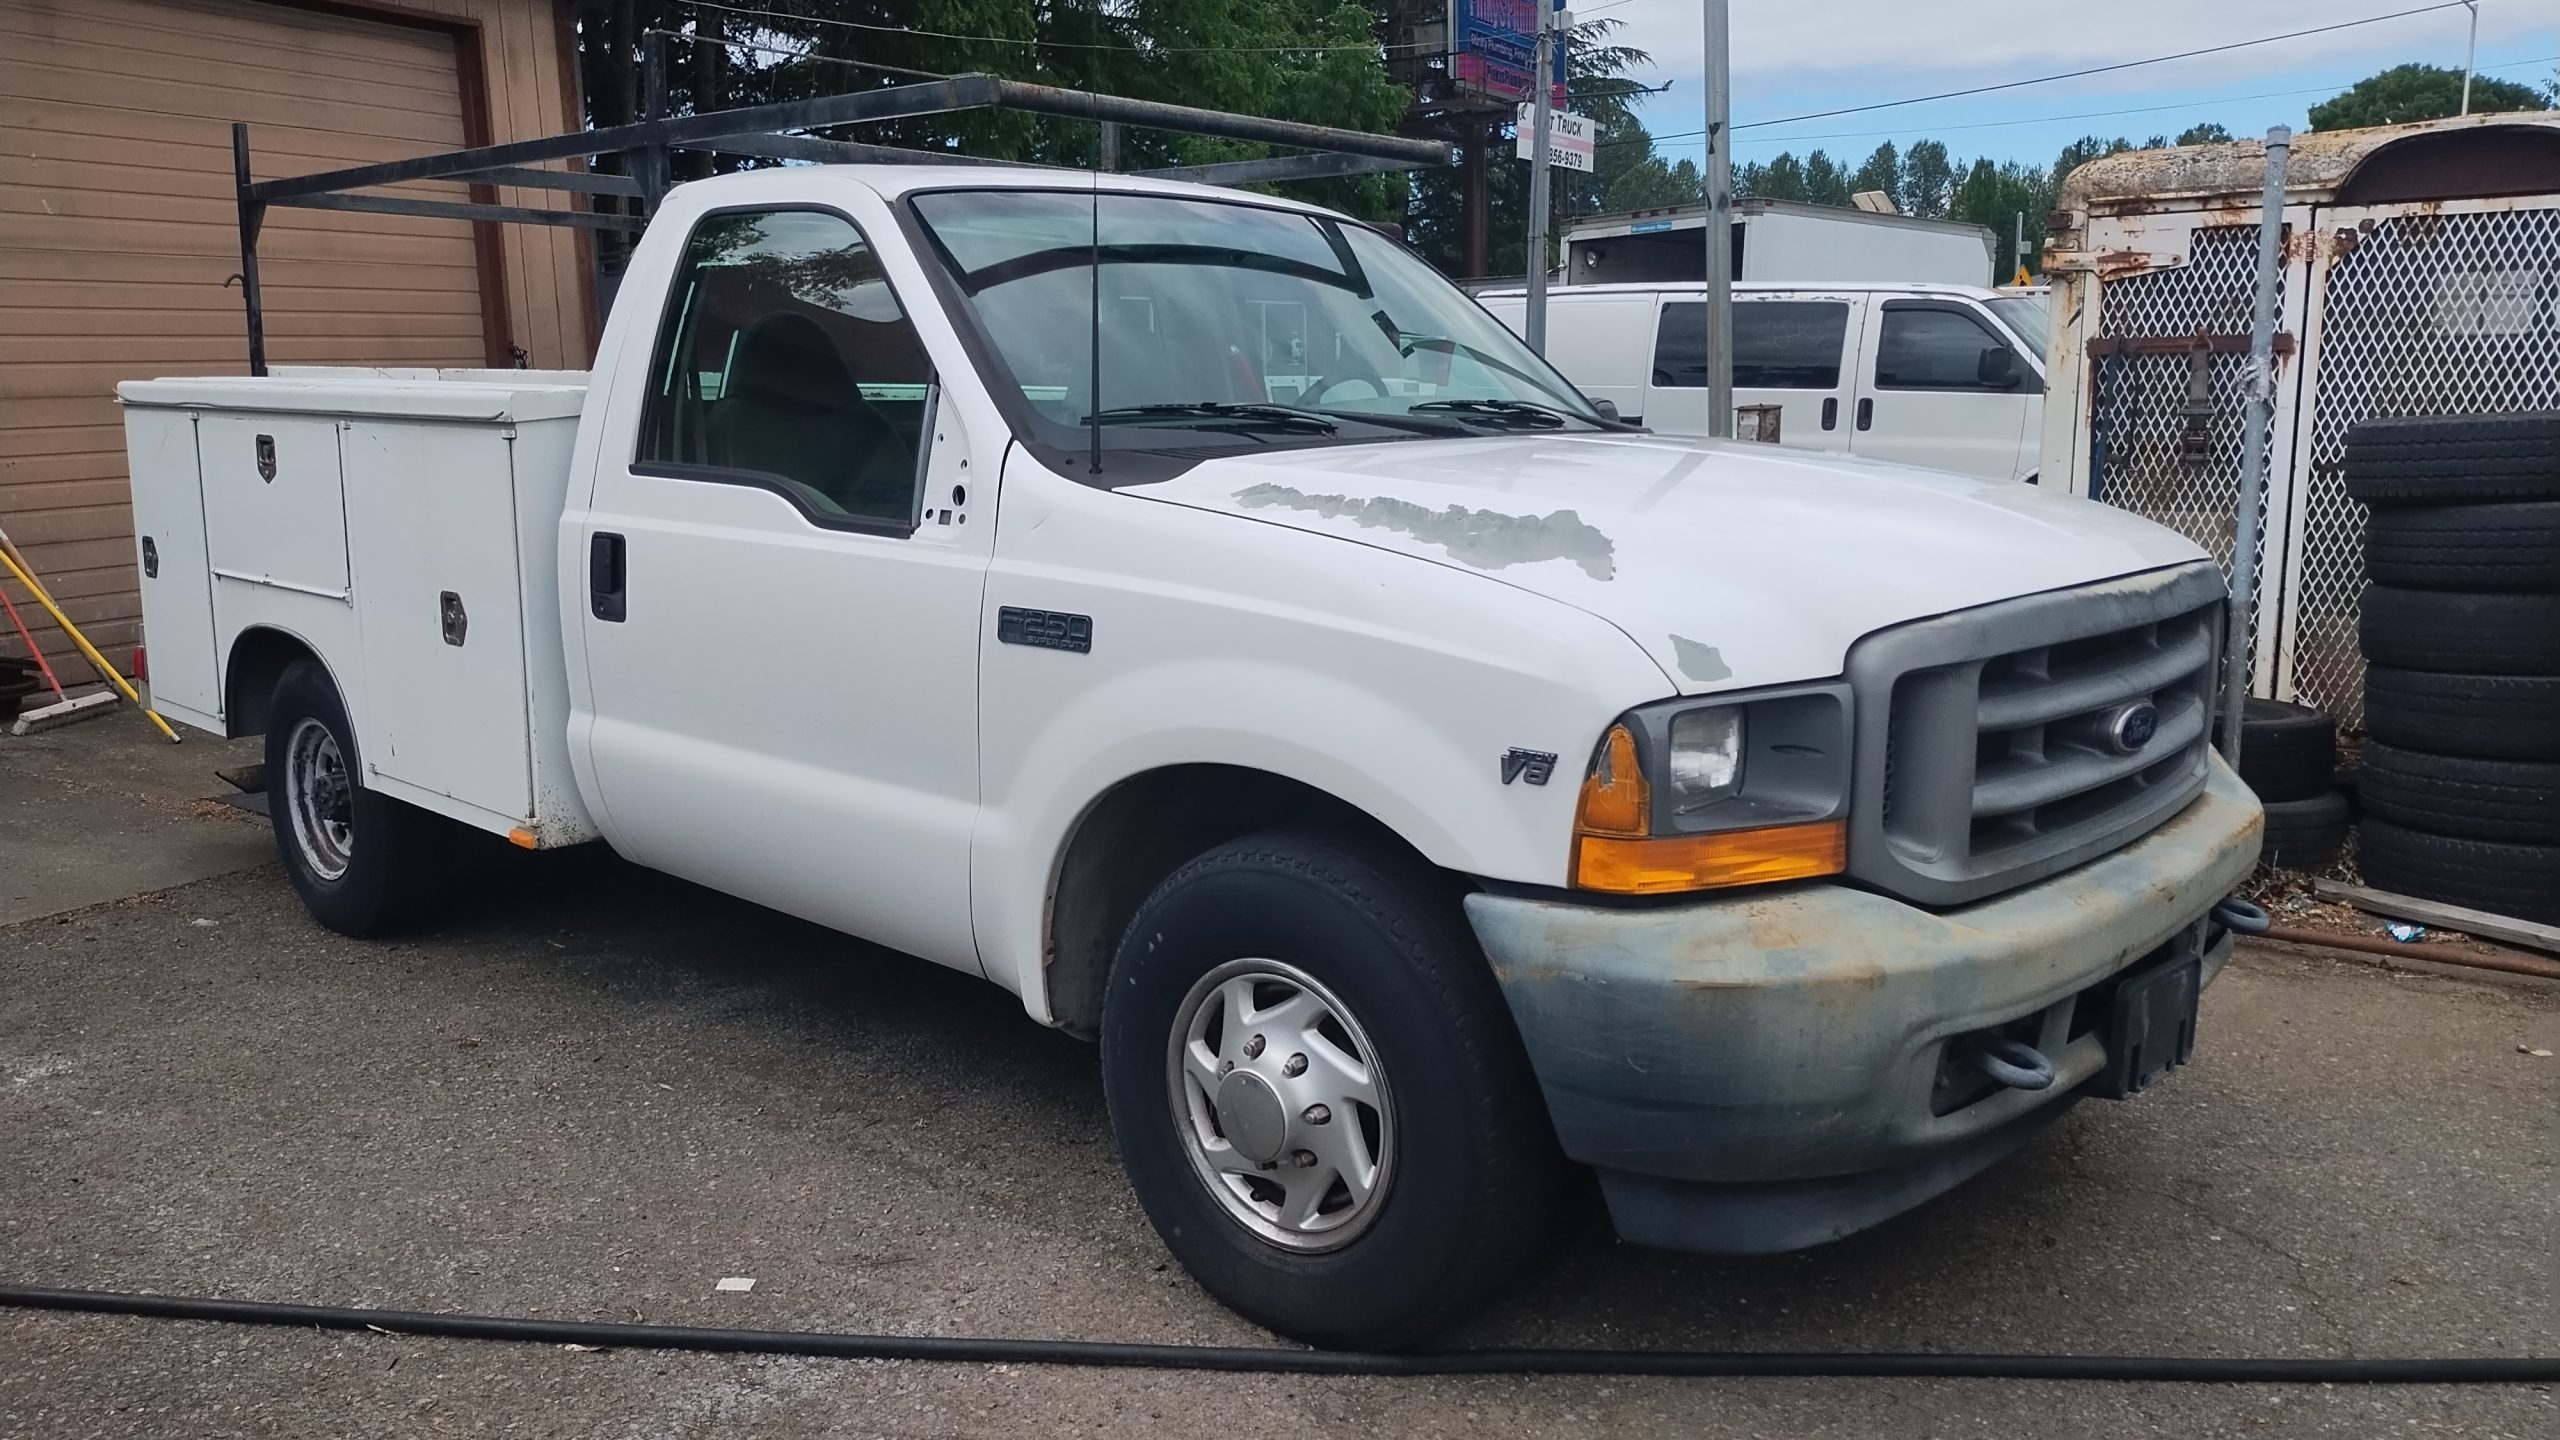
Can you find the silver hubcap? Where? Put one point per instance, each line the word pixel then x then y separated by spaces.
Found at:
pixel 1281 1103
pixel 320 798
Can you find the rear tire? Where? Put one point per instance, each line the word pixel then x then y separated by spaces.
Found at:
pixel 1282 949
pixel 364 864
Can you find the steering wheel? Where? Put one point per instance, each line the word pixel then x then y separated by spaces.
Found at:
pixel 1317 388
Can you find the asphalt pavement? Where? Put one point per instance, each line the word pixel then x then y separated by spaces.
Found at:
pixel 592 1092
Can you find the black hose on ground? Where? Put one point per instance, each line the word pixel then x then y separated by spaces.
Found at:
pixel 1277 1361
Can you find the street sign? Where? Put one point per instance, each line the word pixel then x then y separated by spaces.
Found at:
pixel 1570 143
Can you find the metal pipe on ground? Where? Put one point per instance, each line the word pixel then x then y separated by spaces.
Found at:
pixel 2431 954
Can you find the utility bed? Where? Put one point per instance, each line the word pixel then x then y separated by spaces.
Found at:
pixel 407 520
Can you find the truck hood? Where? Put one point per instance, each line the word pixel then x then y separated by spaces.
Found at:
pixel 1732 564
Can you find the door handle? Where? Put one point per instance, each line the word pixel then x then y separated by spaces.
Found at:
pixel 605 575
pixel 1867 414
pixel 1830 412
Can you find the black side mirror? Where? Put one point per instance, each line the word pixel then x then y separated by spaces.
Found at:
pixel 1608 408
pixel 1997 368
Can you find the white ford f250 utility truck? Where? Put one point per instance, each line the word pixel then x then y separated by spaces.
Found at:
pixel 1415 785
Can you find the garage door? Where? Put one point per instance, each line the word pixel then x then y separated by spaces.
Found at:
pixel 118 239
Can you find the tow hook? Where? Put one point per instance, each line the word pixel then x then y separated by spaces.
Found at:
pixel 2013 1063
pixel 2240 916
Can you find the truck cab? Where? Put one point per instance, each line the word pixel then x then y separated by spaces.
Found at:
pixel 1950 377
pixel 1189 612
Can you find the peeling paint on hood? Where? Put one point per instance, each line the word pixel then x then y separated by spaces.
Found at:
pixel 1699 662
pixel 1484 539
pixel 1786 557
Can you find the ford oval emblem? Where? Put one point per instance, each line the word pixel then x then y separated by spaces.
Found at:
pixel 2132 727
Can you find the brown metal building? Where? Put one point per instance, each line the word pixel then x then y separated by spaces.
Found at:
pixel 119 242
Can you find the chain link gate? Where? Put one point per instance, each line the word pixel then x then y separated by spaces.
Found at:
pixel 2169 380
pixel 2451 309
pixel 2447 308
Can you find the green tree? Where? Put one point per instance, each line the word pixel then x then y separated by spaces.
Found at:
pixel 1629 175
pixel 1825 183
pixel 1928 180
pixel 1778 179
pixel 2207 133
pixel 1880 171
pixel 2418 92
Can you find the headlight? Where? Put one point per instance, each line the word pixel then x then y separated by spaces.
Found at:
pixel 1737 790
pixel 1706 757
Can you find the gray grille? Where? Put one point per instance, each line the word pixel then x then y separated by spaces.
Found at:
pixel 1984 749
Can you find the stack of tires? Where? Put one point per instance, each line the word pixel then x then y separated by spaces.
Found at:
pixel 2289 756
pixel 2461 638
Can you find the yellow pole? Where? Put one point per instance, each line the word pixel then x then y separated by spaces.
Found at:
pixel 9 557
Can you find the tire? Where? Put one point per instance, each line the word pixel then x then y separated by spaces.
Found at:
pixel 1466 1162
pixel 2454 795
pixel 2304 834
pixel 364 864
pixel 2440 630
pixel 2519 881
pixel 2480 548
pixel 2493 717
pixel 2436 460
pixel 2287 752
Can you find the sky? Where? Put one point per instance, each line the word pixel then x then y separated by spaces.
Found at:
pixel 1793 57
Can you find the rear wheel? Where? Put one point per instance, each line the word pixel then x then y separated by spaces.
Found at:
pixel 362 862
pixel 1319 1095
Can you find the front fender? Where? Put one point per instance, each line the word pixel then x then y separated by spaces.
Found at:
pixel 1391 684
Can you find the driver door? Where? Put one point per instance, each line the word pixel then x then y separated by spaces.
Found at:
pixel 783 595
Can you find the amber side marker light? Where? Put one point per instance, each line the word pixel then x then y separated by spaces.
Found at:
pixel 1615 852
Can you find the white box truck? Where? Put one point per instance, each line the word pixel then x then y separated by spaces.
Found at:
pixel 1416 786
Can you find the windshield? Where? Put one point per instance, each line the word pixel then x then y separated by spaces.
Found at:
pixel 1228 324
pixel 2025 316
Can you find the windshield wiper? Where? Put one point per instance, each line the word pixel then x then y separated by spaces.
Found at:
pixel 1544 417
pixel 1217 410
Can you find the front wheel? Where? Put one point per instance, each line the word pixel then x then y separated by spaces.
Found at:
pixel 1319 1095
pixel 362 862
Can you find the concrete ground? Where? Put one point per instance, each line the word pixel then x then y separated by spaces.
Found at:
pixel 593 1092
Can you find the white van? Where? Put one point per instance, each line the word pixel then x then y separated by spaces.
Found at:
pixel 1946 376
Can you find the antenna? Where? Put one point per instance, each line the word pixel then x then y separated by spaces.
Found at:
pixel 1093 411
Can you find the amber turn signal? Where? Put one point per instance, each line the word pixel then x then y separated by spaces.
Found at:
pixel 1615 798
pixel 1668 864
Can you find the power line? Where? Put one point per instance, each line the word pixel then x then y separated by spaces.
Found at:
pixel 2109 69
pixel 1369 48
pixel 789 54
pixel 2187 105
pixel 2079 74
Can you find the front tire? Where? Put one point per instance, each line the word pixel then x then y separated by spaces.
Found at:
pixel 364 864
pixel 1319 1095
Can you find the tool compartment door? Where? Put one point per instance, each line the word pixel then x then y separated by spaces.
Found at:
pixel 177 590
pixel 431 526
pixel 273 512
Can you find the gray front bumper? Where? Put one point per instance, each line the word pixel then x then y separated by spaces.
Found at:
pixel 1775 1046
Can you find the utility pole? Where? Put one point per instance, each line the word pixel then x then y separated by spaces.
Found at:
pixel 1537 250
pixel 2260 403
pixel 1719 220
pixel 2470 52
